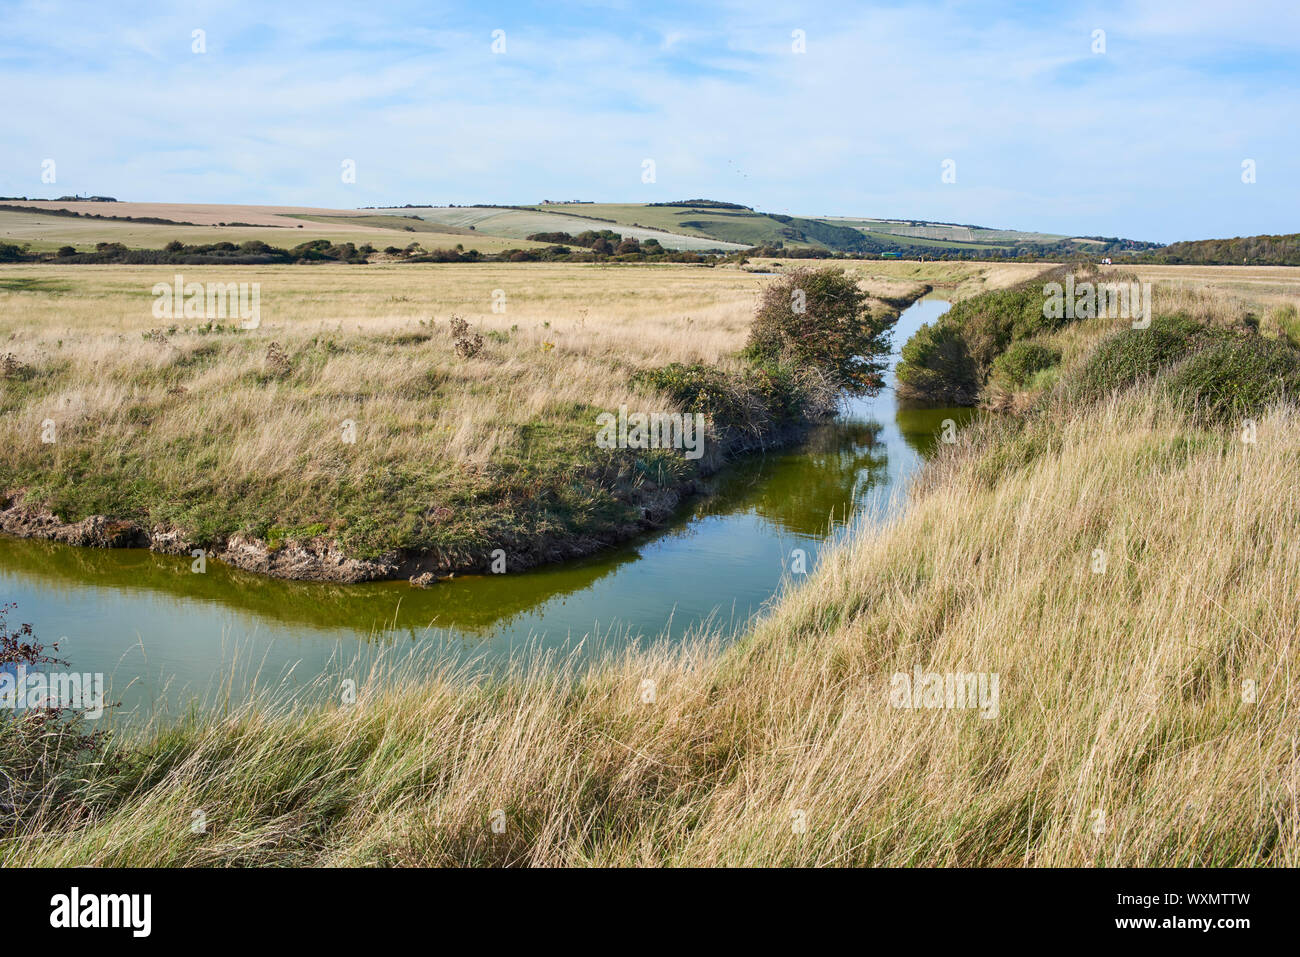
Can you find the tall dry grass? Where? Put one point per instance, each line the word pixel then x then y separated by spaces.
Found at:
pixel 1123 735
pixel 177 425
pixel 1128 573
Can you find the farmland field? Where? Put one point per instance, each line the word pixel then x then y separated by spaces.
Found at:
pixel 521 223
pixel 280 226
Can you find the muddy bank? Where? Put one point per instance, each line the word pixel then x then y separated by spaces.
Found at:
pixel 324 560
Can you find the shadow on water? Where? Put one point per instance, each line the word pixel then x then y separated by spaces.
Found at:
pixel 164 633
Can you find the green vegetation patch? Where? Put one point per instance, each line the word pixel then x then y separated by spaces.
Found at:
pixel 1132 355
pixel 1238 376
pixel 947 362
pixel 1016 367
pixel 1217 372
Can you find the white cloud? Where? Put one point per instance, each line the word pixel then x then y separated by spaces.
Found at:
pixel 1145 141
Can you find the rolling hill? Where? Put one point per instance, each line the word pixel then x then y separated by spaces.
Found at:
pixel 733 223
pixel 694 225
pixel 43 226
pixel 520 222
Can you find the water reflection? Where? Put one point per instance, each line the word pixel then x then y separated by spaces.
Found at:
pixel 165 632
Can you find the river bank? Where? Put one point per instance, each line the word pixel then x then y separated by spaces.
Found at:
pixel 306 451
pixel 713 565
pixel 1142 718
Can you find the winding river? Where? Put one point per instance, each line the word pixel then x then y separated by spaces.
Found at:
pixel 166 637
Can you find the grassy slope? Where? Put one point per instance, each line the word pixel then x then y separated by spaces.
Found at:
pixel 45 233
pixel 743 227
pixel 753 228
pixel 443 236
pixel 525 222
pixel 1122 738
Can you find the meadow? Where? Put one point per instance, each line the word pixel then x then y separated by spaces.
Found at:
pixel 349 434
pixel 1126 566
pixel 281 226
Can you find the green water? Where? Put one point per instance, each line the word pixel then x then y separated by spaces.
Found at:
pixel 164 635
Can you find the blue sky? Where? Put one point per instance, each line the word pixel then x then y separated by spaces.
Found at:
pixel 1145 140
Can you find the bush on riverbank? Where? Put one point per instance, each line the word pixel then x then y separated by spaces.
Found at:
pixel 1132 355
pixel 1217 372
pixel 949 361
pixel 747 403
pixel 1238 377
pixel 821 319
pixel 999 351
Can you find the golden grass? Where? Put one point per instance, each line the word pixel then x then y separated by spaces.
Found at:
pixel 1259 287
pixel 1123 736
pixel 194 428
pixel 1147 713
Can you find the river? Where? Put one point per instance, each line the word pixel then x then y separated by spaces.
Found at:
pixel 166 637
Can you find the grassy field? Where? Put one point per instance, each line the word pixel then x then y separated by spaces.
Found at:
pixel 211 435
pixel 1258 286
pixel 752 228
pixel 276 226
pixel 951 279
pixel 1146 712
pixel 521 223
pixel 742 227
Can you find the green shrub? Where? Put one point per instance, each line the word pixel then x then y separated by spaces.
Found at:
pixel 950 360
pixel 1131 355
pixel 1238 376
pixel 821 319
pixel 779 389
pixel 698 388
pixel 1015 367
pixel 751 400
pixel 936 366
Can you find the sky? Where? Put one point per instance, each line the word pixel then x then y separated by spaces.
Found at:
pixel 814 109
